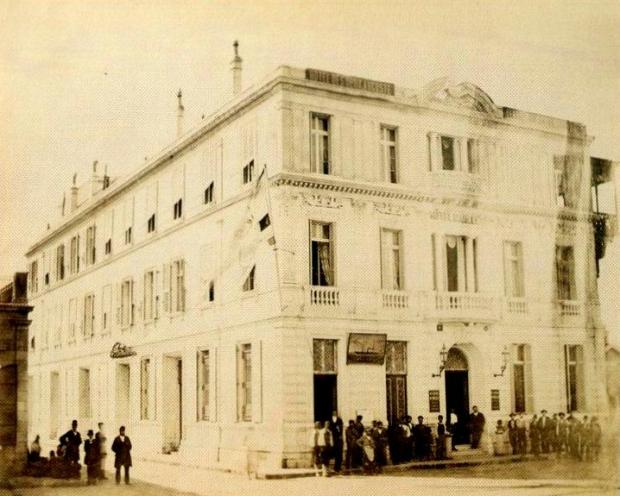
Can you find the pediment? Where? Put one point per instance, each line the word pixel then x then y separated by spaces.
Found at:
pixel 463 95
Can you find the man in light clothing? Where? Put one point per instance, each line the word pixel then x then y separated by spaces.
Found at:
pixel 321 444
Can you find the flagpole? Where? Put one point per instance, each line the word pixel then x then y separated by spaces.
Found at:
pixel 275 246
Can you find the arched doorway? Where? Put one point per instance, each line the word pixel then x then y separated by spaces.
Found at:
pixel 457 393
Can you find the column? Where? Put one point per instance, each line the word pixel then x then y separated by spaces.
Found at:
pixel 440 262
pixel 469 264
pixel 435 151
pixel 463 162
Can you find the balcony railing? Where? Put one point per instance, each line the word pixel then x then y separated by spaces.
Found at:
pixel 326 296
pixel 516 306
pixel 464 306
pixel 569 308
pixel 395 299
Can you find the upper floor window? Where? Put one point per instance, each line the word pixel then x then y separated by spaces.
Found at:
pixel 178 209
pixel 174 277
pixel 150 224
pixel 319 144
pixel 127 303
pixel 108 246
pixel 90 245
pixel 60 262
pixel 149 295
pixel 72 319
pixel 128 236
pixel 388 153
pixel 248 173
pixel 106 309
pixel 513 270
pixel 460 263
pixel 89 316
pixel 565 273
pixel 391 259
pixel 209 193
pixel 321 254
pixel 75 255
pixel 34 276
pixel 248 284
pixel 447 153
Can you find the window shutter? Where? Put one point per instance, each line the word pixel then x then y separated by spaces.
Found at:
pixel 581 404
pixel 118 296
pixel 529 383
pixel 138 288
pixel 507 273
pixel 156 293
pixel 386 267
pixel 183 285
pixel 166 288
pixel 131 302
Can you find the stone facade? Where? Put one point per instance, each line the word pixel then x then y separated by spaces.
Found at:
pixel 235 267
pixel 14 324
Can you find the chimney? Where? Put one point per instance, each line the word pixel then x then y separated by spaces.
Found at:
pixel 235 67
pixel 180 110
pixel 74 195
pixel 95 180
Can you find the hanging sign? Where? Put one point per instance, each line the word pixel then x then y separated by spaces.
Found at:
pixel 366 348
pixel 120 350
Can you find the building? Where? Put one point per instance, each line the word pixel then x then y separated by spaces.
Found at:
pixel 324 242
pixel 14 324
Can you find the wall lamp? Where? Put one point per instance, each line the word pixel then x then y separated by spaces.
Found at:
pixel 505 357
pixel 443 357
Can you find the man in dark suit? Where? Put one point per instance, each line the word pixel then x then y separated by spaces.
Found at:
pixel 476 423
pixel 513 435
pixel 122 455
pixel 337 431
pixel 546 428
pixel 71 441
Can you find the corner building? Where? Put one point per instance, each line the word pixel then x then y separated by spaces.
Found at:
pixel 324 242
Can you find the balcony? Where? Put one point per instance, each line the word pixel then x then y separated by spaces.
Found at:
pixel 466 307
pixel 324 296
pixel 516 306
pixel 569 308
pixel 395 299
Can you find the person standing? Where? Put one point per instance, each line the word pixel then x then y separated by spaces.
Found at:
pixel 561 435
pixel 350 435
pixel 35 450
pixel 521 434
pixel 595 438
pixel 453 425
pixel 420 439
pixel 476 422
pixel 545 430
pixel 71 441
pixel 440 447
pixel 336 429
pixel 121 446
pixel 103 451
pixel 534 436
pixel 358 455
pixel 513 436
pixel 92 454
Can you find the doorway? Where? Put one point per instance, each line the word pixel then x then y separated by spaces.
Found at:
pixel 325 396
pixel 123 381
pixel 457 393
pixel 396 395
pixel 173 404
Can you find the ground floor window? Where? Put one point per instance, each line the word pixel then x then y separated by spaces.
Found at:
pixel 573 359
pixel 84 393
pixel 396 380
pixel 204 376
pixel 244 382
pixel 325 378
pixel 522 387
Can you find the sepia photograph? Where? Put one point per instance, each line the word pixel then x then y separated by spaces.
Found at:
pixel 346 247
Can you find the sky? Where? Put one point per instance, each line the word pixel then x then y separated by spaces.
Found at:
pixel 97 80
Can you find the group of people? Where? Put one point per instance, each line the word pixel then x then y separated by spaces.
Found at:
pixel 564 435
pixel 65 461
pixel 375 446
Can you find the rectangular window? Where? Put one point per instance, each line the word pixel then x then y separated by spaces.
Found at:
pixel 248 172
pixel 106 311
pixel 391 260
pixel 211 295
pixel 150 224
pixel 149 295
pixel 178 209
pixel 244 382
pixel 513 270
pixel 248 284
pixel 145 396
pixel 34 276
pixel 565 273
pixel 321 254
pixel 72 319
pixel 177 286
pixel 84 393
pixel 75 255
pixel 447 153
pixel 209 193
pixel 573 360
pixel 559 171
pixel 127 304
pixel 388 153
pixel 325 377
pixel 460 260
pixel 89 316
pixel 90 245
pixel 203 385
pixel 108 246
pixel 522 388
pixel 128 236
pixel 60 262
pixel 319 144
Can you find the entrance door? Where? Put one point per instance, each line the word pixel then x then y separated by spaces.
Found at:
pixel 325 396
pixel 122 393
pixel 457 393
pixel 396 393
pixel 173 399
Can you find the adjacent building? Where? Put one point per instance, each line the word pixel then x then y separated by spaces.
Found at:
pixel 324 242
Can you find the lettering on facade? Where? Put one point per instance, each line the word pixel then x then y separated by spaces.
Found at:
pixel 390 209
pixel 462 217
pixel 433 401
pixel 120 350
pixel 366 348
pixel 350 81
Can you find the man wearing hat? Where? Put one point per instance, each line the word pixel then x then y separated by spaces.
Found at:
pixel 122 451
pixel 512 434
pixel 545 429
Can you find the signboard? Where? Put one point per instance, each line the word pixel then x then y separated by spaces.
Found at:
pixel 433 401
pixel 495 400
pixel 366 348
pixel 120 350
pixel 350 81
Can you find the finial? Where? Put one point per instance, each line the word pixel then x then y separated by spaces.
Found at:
pixel 180 93
pixel 180 98
pixel 236 47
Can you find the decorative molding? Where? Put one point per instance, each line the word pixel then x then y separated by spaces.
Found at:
pixel 391 209
pixel 318 200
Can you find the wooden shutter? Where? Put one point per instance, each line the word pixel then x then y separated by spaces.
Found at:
pixel 166 288
pixel 118 299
